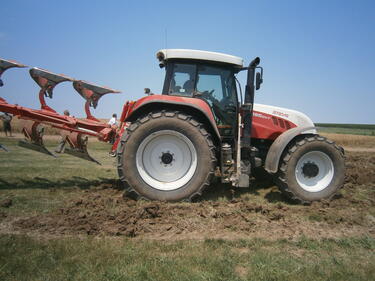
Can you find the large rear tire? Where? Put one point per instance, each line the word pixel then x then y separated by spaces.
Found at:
pixel 312 169
pixel 166 156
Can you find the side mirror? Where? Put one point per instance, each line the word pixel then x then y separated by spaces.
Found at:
pixel 258 80
pixel 147 91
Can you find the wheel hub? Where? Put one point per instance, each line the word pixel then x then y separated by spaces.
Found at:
pixel 167 158
pixel 310 170
pixel 314 171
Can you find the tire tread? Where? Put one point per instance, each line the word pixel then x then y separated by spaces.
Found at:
pixel 281 178
pixel 130 191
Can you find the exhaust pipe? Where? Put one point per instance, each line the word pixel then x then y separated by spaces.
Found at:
pixel 247 107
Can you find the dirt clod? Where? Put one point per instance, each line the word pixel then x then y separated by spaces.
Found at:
pixel 6 203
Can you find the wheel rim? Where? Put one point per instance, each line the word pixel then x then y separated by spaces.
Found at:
pixel 166 160
pixel 314 171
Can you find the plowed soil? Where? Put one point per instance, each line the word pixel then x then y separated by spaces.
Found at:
pixel 223 212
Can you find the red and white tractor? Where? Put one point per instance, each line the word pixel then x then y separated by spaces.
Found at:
pixel 170 146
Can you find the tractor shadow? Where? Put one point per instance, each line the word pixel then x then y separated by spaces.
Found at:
pixel 73 182
pixel 264 189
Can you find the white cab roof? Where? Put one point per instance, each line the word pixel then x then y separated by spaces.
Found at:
pixel 166 54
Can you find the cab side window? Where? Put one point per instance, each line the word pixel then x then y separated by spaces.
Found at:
pixel 210 84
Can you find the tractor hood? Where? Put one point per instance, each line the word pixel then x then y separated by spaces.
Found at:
pixel 299 119
pixel 271 121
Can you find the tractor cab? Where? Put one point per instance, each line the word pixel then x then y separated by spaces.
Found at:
pixel 205 75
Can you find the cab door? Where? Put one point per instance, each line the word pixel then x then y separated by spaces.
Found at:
pixel 217 86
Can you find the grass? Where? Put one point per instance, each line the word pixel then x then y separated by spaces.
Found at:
pixel 25 175
pixel 352 129
pixel 25 258
pixel 348 126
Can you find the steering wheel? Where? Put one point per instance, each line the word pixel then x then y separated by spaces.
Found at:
pixel 208 95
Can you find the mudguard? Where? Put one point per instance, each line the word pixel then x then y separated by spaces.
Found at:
pixel 277 148
pixel 192 106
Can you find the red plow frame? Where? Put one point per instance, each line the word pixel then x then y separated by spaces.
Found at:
pixel 73 130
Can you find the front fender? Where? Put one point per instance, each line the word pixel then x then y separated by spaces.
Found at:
pixel 277 148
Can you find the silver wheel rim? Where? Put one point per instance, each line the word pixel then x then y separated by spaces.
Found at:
pixel 314 171
pixel 166 160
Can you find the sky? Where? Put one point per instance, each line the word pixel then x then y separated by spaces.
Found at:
pixel 318 56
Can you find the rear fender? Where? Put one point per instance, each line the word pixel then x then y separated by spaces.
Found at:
pixel 278 146
pixel 197 108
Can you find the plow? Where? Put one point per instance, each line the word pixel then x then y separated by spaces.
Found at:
pixel 171 146
pixel 73 130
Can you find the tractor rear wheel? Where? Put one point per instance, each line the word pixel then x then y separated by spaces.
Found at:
pixel 311 169
pixel 166 156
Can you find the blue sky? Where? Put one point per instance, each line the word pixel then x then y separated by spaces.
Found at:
pixel 318 56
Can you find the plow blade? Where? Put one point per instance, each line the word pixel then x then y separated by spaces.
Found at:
pixel 91 92
pixel 78 146
pixel 4 148
pixel 35 147
pixel 6 64
pixel 47 80
pixel 80 154
pixel 34 132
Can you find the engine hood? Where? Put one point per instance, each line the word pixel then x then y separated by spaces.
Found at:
pixel 298 118
pixel 271 121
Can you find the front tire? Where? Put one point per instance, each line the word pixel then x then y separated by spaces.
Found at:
pixel 166 156
pixel 260 174
pixel 312 169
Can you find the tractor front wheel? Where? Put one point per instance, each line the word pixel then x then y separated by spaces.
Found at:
pixel 311 169
pixel 166 156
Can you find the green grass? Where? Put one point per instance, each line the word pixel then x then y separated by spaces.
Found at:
pixel 353 129
pixel 26 175
pixel 349 126
pixel 25 258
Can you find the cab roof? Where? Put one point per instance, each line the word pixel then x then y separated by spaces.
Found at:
pixel 166 54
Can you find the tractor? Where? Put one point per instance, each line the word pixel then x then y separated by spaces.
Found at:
pixel 171 146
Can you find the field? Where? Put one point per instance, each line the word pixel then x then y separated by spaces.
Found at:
pixel 66 219
pixel 353 129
